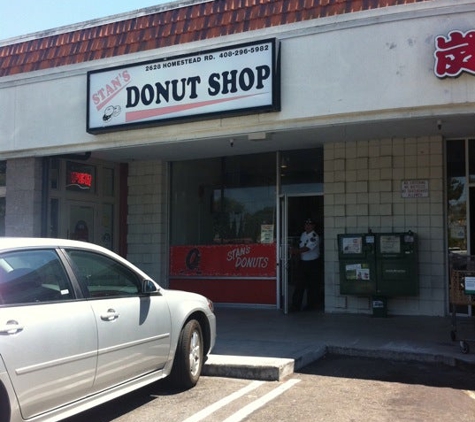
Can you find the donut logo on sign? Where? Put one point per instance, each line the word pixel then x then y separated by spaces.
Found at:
pixel 193 259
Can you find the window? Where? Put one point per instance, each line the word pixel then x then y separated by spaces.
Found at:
pixel 102 276
pixel 2 216
pixel 31 277
pixel 108 186
pixel 457 193
pixel 3 173
pixel 301 171
pixel 223 200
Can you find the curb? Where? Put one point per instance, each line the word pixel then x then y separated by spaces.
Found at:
pixel 276 369
pixel 248 367
pixel 431 358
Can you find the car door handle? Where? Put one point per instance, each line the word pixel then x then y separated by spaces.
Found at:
pixel 11 327
pixel 110 315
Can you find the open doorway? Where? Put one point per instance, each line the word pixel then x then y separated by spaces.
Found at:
pixel 297 210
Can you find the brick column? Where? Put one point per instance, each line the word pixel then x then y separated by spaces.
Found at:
pixel 147 241
pixel 23 197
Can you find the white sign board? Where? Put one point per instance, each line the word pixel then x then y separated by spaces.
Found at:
pixel 237 79
pixel 352 245
pixel 469 285
pixel 415 188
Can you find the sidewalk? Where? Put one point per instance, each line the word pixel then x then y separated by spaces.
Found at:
pixel 268 345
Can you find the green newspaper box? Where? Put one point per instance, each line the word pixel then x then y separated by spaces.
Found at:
pixel 397 266
pixel 356 254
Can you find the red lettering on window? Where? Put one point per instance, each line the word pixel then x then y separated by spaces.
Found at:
pixel 455 54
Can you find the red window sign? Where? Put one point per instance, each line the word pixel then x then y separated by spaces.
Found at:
pixel 455 54
pixel 254 260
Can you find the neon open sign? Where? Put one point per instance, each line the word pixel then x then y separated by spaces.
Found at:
pixel 82 180
pixel 79 177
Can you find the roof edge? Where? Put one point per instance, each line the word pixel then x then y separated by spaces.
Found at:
pixel 91 23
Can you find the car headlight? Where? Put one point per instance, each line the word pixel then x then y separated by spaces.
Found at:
pixel 211 305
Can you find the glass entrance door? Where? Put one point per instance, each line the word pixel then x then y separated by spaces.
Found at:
pixel 284 254
pixel 294 210
pixel 81 221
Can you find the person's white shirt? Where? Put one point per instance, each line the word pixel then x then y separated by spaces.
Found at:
pixel 311 241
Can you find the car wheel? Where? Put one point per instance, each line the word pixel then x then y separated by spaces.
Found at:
pixel 188 357
pixel 4 405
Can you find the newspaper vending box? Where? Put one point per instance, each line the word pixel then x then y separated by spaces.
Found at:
pixel 357 264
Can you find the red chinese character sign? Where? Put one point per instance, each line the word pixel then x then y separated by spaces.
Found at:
pixel 455 54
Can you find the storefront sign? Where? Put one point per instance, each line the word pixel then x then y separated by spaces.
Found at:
pixel 414 188
pixel 254 260
pixel 238 79
pixel 455 54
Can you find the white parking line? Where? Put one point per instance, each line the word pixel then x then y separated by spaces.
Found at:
pixel 223 402
pixel 252 407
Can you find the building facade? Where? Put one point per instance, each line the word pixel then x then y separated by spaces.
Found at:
pixel 196 137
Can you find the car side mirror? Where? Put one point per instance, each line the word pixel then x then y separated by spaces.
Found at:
pixel 150 287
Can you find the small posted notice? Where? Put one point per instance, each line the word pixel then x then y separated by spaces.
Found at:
pixel 415 188
pixel 267 233
pixel 352 245
pixel 470 285
pixel 357 272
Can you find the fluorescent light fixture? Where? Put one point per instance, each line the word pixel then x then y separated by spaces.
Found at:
pixel 257 136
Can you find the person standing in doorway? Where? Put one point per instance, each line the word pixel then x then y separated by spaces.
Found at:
pixel 309 251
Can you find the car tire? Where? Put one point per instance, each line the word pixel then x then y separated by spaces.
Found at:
pixel 188 357
pixel 4 405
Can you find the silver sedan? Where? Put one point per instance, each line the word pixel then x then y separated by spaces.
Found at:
pixel 80 325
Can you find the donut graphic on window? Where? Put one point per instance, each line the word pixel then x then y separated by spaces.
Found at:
pixel 81 231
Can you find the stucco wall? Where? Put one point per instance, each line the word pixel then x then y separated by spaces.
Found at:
pixel 363 190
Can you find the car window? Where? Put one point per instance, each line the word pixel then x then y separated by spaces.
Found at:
pixel 33 276
pixel 102 276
